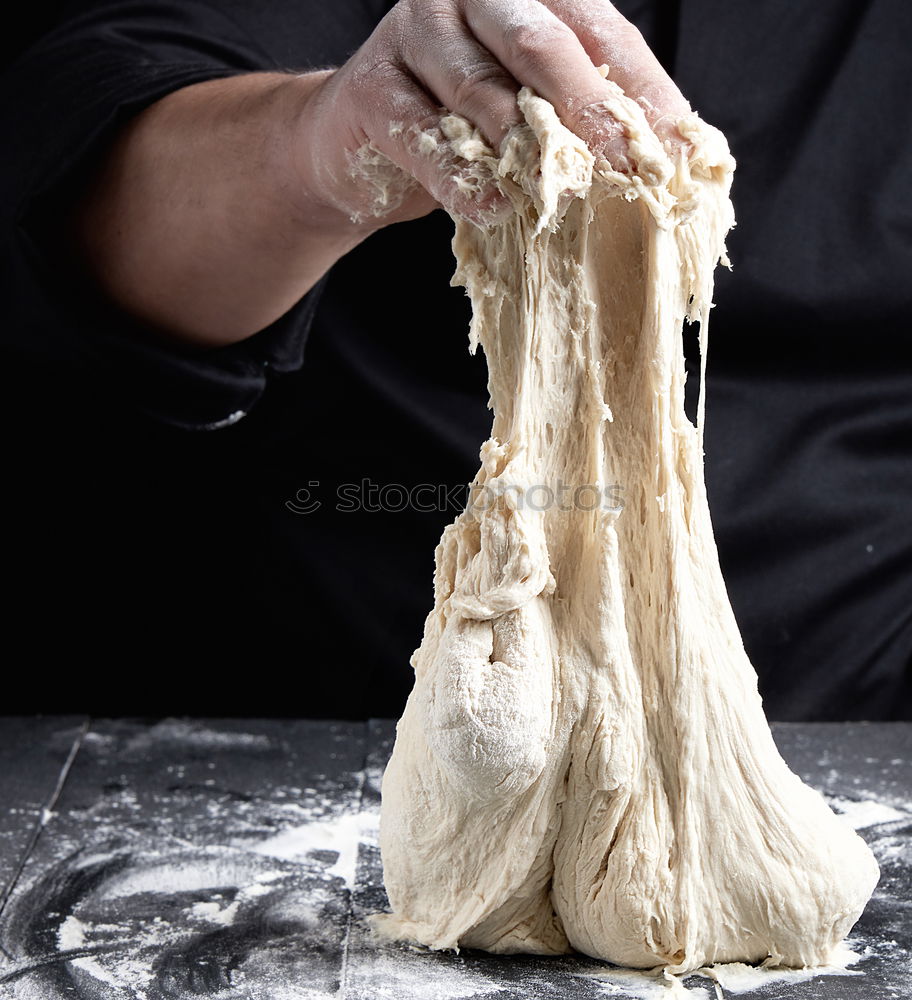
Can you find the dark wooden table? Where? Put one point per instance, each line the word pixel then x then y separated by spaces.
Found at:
pixel 238 859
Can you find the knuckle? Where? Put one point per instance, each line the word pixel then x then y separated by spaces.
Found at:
pixel 427 31
pixel 429 20
pixel 431 10
pixel 623 36
pixel 630 34
pixel 534 43
pixel 474 86
pixel 617 33
pixel 381 72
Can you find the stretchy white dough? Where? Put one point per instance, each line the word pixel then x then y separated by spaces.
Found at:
pixel 584 761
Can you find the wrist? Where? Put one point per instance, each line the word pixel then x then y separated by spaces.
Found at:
pixel 316 158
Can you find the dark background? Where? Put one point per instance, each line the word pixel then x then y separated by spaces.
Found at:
pixel 154 567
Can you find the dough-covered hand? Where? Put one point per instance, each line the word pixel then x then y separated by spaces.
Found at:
pixel 371 144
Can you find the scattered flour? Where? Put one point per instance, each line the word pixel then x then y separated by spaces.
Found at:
pixel 736 977
pixel 207 868
pixel 194 734
pixel 290 862
pixel 864 813
pixel 71 934
pixel 644 985
pixel 214 913
pixel 341 834
pixel 727 979
pixel 406 975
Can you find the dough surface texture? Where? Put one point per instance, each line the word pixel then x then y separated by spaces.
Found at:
pixel 584 762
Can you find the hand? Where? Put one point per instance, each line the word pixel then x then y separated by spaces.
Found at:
pixel 371 146
pixel 220 205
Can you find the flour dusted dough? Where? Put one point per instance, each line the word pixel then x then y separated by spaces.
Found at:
pixel 584 761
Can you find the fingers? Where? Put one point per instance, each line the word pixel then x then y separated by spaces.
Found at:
pixel 543 52
pixel 460 72
pixel 402 122
pixel 471 57
pixel 610 39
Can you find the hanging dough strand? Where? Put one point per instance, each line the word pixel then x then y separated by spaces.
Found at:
pixel 584 761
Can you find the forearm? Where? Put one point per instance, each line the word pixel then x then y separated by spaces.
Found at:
pixel 200 222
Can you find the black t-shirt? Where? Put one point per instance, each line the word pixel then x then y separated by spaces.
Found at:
pixel 162 552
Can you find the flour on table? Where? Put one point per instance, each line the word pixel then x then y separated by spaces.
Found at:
pixel 584 762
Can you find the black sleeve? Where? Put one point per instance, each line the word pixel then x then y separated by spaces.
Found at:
pixel 61 103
